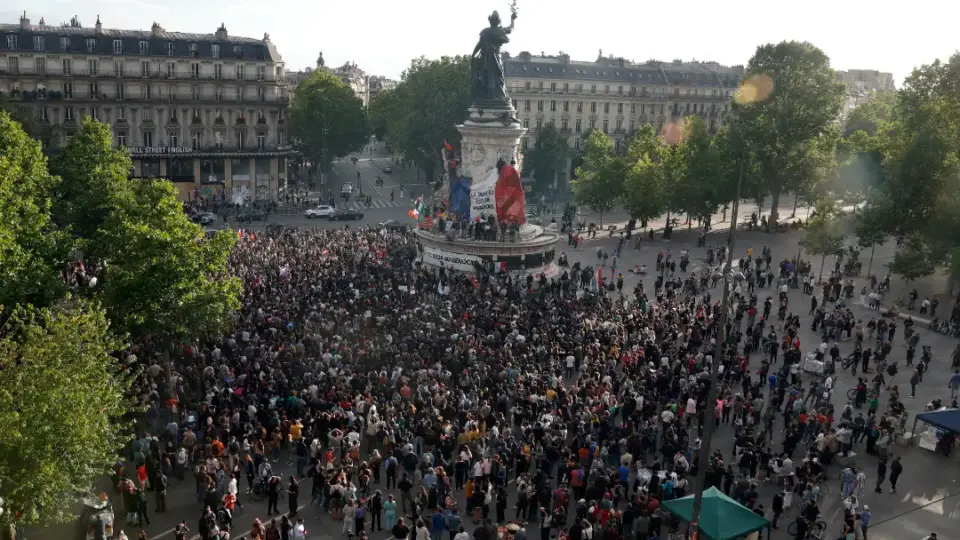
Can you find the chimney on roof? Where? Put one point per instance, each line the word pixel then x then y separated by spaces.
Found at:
pixel 156 30
pixel 24 21
pixel 222 32
pixel 98 26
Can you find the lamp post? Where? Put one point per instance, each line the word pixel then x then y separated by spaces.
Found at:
pixel 704 458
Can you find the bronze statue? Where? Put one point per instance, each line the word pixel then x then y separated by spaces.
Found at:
pixel 489 87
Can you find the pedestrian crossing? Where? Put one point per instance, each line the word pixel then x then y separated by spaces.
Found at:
pixel 381 203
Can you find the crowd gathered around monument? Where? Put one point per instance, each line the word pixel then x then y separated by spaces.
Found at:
pixel 556 408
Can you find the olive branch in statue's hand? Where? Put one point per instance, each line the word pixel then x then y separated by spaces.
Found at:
pixel 513 10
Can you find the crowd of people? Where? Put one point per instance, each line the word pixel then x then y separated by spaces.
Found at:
pixel 397 389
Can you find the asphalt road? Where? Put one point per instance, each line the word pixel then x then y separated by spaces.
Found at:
pixel 927 500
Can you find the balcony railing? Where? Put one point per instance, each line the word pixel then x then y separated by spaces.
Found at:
pixel 112 74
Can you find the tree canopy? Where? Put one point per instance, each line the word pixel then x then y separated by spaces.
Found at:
pixel 327 119
pixel 548 156
pixel 600 179
pixel 422 111
pixel 62 403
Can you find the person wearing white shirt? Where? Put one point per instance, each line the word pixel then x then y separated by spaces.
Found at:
pixel 462 535
pixel 300 531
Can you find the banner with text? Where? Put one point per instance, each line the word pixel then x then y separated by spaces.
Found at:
pixel 483 195
pixel 449 259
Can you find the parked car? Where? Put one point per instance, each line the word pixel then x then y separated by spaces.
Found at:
pixel 204 218
pixel 248 215
pixel 322 211
pixel 346 190
pixel 394 225
pixel 388 169
pixel 346 215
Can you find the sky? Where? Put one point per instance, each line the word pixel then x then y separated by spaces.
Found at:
pixel 382 36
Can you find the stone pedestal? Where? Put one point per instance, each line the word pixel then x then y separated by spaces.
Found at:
pixel 486 138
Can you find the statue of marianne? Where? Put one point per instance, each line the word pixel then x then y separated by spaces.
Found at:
pixel 489 87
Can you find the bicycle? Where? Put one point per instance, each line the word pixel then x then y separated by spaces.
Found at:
pixel 871 393
pixel 816 530
pixel 848 362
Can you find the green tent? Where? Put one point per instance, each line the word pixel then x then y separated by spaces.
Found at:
pixel 721 518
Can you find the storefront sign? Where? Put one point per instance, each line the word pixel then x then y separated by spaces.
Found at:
pixel 158 150
pixel 448 259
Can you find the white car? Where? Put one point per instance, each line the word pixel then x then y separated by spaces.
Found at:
pixel 322 211
pixel 346 190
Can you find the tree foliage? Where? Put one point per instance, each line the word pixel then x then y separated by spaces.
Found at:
pixel 912 261
pixel 161 278
pixel 600 179
pixel 787 103
pixel 549 155
pixel 700 186
pixel 870 115
pixel 327 119
pixel 62 403
pixel 31 247
pixel 823 236
pixel 424 109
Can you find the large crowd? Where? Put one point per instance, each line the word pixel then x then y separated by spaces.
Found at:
pixel 555 405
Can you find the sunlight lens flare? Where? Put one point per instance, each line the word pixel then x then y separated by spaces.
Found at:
pixel 756 89
pixel 672 133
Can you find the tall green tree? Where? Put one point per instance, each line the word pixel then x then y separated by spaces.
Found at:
pixel 645 183
pixel 870 228
pixel 548 156
pixel 870 115
pixel 31 247
pixel 62 404
pixel 790 98
pixel 423 110
pixel 600 179
pixel 378 113
pixel 27 118
pixel 327 120
pixel 701 189
pixel 824 234
pixel 94 179
pixel 912 261
pixel 162 279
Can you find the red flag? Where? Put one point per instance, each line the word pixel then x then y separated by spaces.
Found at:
pixel 510 197
pixel 448 146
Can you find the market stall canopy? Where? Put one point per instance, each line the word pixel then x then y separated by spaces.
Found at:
pixel 946 419
pixel 721 518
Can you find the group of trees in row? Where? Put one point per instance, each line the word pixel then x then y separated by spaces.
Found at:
pixel 91 262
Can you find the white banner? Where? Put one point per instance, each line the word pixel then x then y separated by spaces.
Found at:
pixel 448 259
pixel 483 195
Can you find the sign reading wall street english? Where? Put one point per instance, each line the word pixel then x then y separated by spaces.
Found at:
pixel 448 259
pixel 158 150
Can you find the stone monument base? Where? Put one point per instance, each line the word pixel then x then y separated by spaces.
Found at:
pixel 533 252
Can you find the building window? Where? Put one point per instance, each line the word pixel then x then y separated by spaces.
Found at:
pixel 148 138
pixel 91 45
pixel 606 126
pixel 121 113
pixel 238 51
pixel 94 90
pixel 540 105
pixel 579 106
pixel 14 65
pixel 194 71
pixel 261 142
pixel 65 44
pixel 526 105
pixel 526 86
pixel 564 126
pixel 118 68
pixel 148 91
pixel 121 139
pixel 281 137
pixel 93 67
pixel 240 140
pixel 579 125
pixel 576 143
pixel 39 43
pixel 193 49
pixel 144 69
pixel 118 46
pixel 219 93
pixel 239 92
pixel 539 124
pixel 619 125
pixel 42 66
pixel 553 87
pixel 526 123
pixel 144 47
pixel 171 70
pixel 606 89
pixel 631 126
pixel 619 108
pixel 606 108
pixel 215 50
pixel 68 114
pixel 174 139
pixel 261 73
pixel 95 113
pixel 121 91
pixel 553 106
pixel 68 90
pixel 171 48
pixel 633 108
pixel 566 106
pixel 218 71
pixel 261 94
pixel 593 106
pixel 218 141
pixel 196 141
pixel 43 114
pixel 240 73
pixel 593 89
pixel 620 90
pixel 525 143
pixel 593 124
